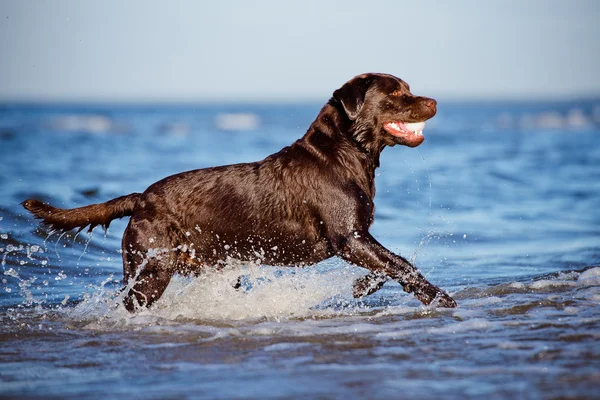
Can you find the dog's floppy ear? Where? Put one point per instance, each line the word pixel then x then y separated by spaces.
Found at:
pixel 352 94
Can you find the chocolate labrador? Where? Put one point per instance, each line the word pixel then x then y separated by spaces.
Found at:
pixel 308 202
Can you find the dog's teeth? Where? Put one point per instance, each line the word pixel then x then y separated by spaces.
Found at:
pixel 415 127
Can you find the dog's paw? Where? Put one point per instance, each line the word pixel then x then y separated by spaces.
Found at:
pixel 368 284
pixel 435 296
pixel 238 283
pixel 444 300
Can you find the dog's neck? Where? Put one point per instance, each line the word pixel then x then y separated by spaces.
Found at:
pixel 333 132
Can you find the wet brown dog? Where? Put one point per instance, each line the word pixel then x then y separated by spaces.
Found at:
pixel 308 202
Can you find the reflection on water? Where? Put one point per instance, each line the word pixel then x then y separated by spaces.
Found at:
pixel 499 206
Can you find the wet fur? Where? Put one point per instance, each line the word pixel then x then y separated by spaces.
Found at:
pixel 308 202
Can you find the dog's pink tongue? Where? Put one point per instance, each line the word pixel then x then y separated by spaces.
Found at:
pixel 411 133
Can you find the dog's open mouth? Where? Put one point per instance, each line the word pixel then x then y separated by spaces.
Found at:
pixel 411 132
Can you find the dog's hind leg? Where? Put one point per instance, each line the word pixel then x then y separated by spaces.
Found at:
pixel 149 262
pixel 149 284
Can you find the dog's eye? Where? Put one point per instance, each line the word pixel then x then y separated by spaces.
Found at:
pixel 396 93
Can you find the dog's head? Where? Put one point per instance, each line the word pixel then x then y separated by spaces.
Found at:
pixel 383 111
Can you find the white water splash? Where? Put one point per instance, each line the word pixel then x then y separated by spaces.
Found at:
pixel 267 293
pixel 273 293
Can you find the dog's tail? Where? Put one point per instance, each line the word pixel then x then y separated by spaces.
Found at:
pixel 92 215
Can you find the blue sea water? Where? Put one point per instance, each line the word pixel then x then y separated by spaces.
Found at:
pixel 500 206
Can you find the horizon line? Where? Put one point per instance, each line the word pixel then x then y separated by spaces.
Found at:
pixel 248 100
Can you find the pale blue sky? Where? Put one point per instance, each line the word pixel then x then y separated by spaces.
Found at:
pixel 295 50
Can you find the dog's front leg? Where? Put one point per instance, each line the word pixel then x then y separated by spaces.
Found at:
pixel 369 284
pixel 363 250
